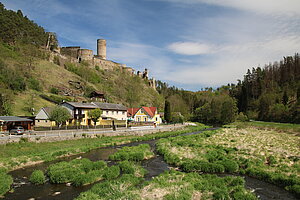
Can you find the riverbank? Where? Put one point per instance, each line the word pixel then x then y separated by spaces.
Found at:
pixel 16 155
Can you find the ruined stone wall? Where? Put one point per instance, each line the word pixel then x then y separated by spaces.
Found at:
pixel 70 51
pixel 85 54
pixel 106 64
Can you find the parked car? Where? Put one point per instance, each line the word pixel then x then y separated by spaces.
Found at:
pixel 17 130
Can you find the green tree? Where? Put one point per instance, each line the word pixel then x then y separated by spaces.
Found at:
pixel 95 115
pixel 285 98
pixel 5 105
pixel 59 115
pixel 167 111
pixel 228 111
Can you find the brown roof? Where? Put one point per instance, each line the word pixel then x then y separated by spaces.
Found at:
pixel 110 106
pixel 48 110
pixel 82 105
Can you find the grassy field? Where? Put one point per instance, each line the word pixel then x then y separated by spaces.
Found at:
pixel 269 155
pixel 16 155
pixel 282 127
pixel 170 185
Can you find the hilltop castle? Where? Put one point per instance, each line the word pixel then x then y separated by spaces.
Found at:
pixel 75 54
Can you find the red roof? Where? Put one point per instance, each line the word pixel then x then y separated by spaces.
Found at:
pixel 149 110
pixel 132 111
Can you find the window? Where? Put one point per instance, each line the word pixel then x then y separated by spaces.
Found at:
pixel 38 120
pixel 139 119
pixel 123 113
pixel 46 121
pixel 145 119
pixel 156 119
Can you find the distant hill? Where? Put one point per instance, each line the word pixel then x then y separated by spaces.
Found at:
pixel 29 81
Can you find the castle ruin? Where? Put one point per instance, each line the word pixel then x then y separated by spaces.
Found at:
pixel 75 54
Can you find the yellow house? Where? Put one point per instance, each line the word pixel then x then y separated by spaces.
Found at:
pixel 144 114
pixel 80 114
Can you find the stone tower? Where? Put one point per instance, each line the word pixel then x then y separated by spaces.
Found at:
pixel 101 49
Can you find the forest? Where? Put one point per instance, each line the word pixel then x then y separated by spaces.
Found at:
pixel 271 93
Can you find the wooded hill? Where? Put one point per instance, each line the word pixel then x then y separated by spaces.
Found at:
pixel 28 81
pixel 271 93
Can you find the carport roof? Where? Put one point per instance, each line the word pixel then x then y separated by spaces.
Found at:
pixel 14 119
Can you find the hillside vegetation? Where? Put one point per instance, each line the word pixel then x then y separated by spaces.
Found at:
pixel 29 81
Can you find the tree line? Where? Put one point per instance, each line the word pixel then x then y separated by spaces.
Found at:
pixel 270 93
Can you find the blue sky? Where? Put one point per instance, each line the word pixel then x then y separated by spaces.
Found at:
pixel 191 44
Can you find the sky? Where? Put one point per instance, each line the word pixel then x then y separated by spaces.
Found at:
pixel 191 44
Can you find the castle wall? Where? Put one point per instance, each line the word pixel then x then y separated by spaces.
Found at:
pixel 106 64
pixel 85 54
pixel 70 51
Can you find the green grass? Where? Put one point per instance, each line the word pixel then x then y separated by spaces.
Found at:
pixel 11 157
pixel 78 172
pixel 134 153
pixel 37 177
pixel 271 156
pixel 285 127
pixel 171 185
pixel 5 182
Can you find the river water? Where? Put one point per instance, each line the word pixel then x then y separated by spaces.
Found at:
pixel 23 189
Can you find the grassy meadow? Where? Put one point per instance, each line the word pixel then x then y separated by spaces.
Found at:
pixel 268 155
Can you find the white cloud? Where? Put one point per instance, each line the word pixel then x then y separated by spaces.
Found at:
pixel 275 7
pixel 190 48
pixel 231 61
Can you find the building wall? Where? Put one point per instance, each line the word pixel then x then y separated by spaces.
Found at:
pixel 141 116
pixel 106 64
pixel 85 54
pixel 70 51
pixel 44 123
pixel 119 115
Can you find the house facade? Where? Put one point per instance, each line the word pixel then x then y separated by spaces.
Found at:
pixel 42 117
pixel 110 112
pixel 144 114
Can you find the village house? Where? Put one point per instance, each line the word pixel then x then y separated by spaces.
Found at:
pixel 144 114
pixel 80 114
pixel 42 118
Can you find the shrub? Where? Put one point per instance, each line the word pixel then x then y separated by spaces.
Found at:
pixel 34 84
pixel 37 177
pixel 54 90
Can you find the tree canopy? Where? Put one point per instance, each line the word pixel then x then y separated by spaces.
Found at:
pixel 59 115
pixel 95 115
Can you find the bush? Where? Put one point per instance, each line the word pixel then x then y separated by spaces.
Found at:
pixel 242 117
pixel 34 84
pixel 54 90
pixel 37 177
